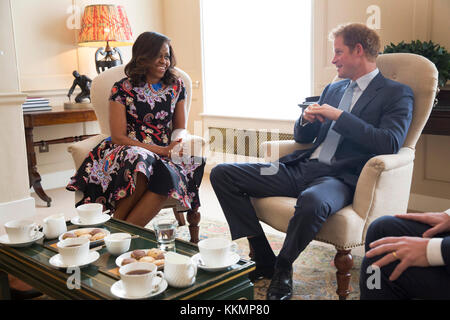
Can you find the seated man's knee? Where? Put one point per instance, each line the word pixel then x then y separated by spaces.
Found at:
pixel 217 173
pixel 312 206
pixel 311 202
pixel 380 227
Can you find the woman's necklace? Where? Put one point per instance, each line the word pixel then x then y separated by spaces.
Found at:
pixel 157 86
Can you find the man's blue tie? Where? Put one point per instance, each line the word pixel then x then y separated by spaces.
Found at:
pixel 331 141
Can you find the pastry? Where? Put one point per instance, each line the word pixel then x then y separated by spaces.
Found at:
pixel 86 235
pixel 137 254
pixel 81 232
pixel 128 260
pixel 68 235
pixel 158 254
pixel 159 262
pixel 98 236
pixel 95 231
pixel 147 259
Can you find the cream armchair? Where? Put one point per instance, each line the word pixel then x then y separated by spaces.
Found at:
pixel 384 184
pixel 100 92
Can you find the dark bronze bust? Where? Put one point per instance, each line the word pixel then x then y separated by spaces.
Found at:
pixel 85 85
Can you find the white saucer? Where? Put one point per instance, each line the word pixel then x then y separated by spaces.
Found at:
pixel 118 290
pixel 232 259
pixel 56 260
pixel 4 239
pixel 103 218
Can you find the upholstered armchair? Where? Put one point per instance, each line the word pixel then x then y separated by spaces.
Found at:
pixel 383 187
pixel 100 92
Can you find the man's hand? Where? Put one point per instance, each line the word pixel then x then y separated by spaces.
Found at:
pixel 440 221
pixel 321 112
pixel 411 251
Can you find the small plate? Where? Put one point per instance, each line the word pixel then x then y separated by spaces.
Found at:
pixel 118 290
pixel 56 260
pixel 127 255
pixel 4 239
pixel 232 259
pixel 93 243
pixel 76 221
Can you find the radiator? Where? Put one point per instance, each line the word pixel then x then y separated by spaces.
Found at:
pixel 242 142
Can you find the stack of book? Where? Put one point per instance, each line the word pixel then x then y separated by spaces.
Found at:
pixel 36 104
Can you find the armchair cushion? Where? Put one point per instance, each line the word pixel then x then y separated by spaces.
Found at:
pixel 80 150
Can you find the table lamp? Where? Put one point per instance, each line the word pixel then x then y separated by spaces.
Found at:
pixel 105 23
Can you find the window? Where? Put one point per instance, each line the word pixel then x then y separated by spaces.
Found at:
pixel 256 57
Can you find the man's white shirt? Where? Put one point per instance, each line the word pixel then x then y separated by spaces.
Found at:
pixel 434 253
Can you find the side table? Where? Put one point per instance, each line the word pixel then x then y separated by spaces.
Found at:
pixel 58 115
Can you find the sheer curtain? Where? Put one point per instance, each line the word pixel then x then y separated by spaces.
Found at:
pixel 256 57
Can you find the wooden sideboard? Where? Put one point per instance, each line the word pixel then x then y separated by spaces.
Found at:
pixel 439 122
pixel 58 115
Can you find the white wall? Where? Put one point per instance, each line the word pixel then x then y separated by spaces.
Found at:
pixel 47 54
pixel 15 197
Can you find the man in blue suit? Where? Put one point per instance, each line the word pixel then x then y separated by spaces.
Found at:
pixel 413 253
pixel 354 120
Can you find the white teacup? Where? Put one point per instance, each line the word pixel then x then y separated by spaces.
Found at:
pixel 90 212
pixel 215 252
pixel 143 282
pixel 73 251
pixel 179 270
pixel 54 226
pixel 118 243
pixel 21 230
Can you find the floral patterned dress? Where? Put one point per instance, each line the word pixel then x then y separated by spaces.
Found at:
pixel 109 172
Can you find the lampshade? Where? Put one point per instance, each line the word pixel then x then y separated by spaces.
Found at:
pixel 105 23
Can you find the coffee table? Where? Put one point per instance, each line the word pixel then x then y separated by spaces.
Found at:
pixel 31 264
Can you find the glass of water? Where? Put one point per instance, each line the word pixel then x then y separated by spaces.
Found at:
pixel 166 230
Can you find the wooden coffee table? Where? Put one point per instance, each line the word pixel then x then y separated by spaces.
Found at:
pixel 31 264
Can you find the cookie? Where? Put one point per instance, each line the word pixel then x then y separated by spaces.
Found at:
pixel 98 236
pixel 69 235
pixel 147 259
pixel 156 253
pixel 137 254
pixel 128 260
pixel 159 262
pixel 95 231
pixel 81 232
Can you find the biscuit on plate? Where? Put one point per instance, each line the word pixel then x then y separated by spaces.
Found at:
pixel 159 262
pixel 156 253
pixel 68 235
pixel 81 232
pixel 95 231
pixel 127 261
pixel 98 236
pixel 147 259
pixel 137 254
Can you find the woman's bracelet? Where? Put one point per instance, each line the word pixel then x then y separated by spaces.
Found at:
pixel 170 153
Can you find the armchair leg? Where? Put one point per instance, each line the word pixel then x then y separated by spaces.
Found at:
pixel 179 215
pixel 343 262
pixel 193 217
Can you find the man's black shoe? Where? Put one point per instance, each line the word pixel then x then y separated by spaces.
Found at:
pixel 261 272
pixel 280 287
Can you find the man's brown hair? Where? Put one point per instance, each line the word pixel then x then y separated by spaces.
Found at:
pixel 354 33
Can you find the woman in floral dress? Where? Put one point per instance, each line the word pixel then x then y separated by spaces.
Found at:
pixel 134 171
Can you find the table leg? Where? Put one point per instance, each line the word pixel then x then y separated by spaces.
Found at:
pixel 193 217
pixel 33 175
pixel 4 286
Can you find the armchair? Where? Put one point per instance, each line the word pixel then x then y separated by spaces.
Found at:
pixel 100 92
pixel 384 184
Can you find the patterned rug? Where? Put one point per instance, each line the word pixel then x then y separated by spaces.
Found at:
pixel 314 272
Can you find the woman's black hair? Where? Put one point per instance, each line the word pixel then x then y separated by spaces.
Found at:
pixel 145 50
